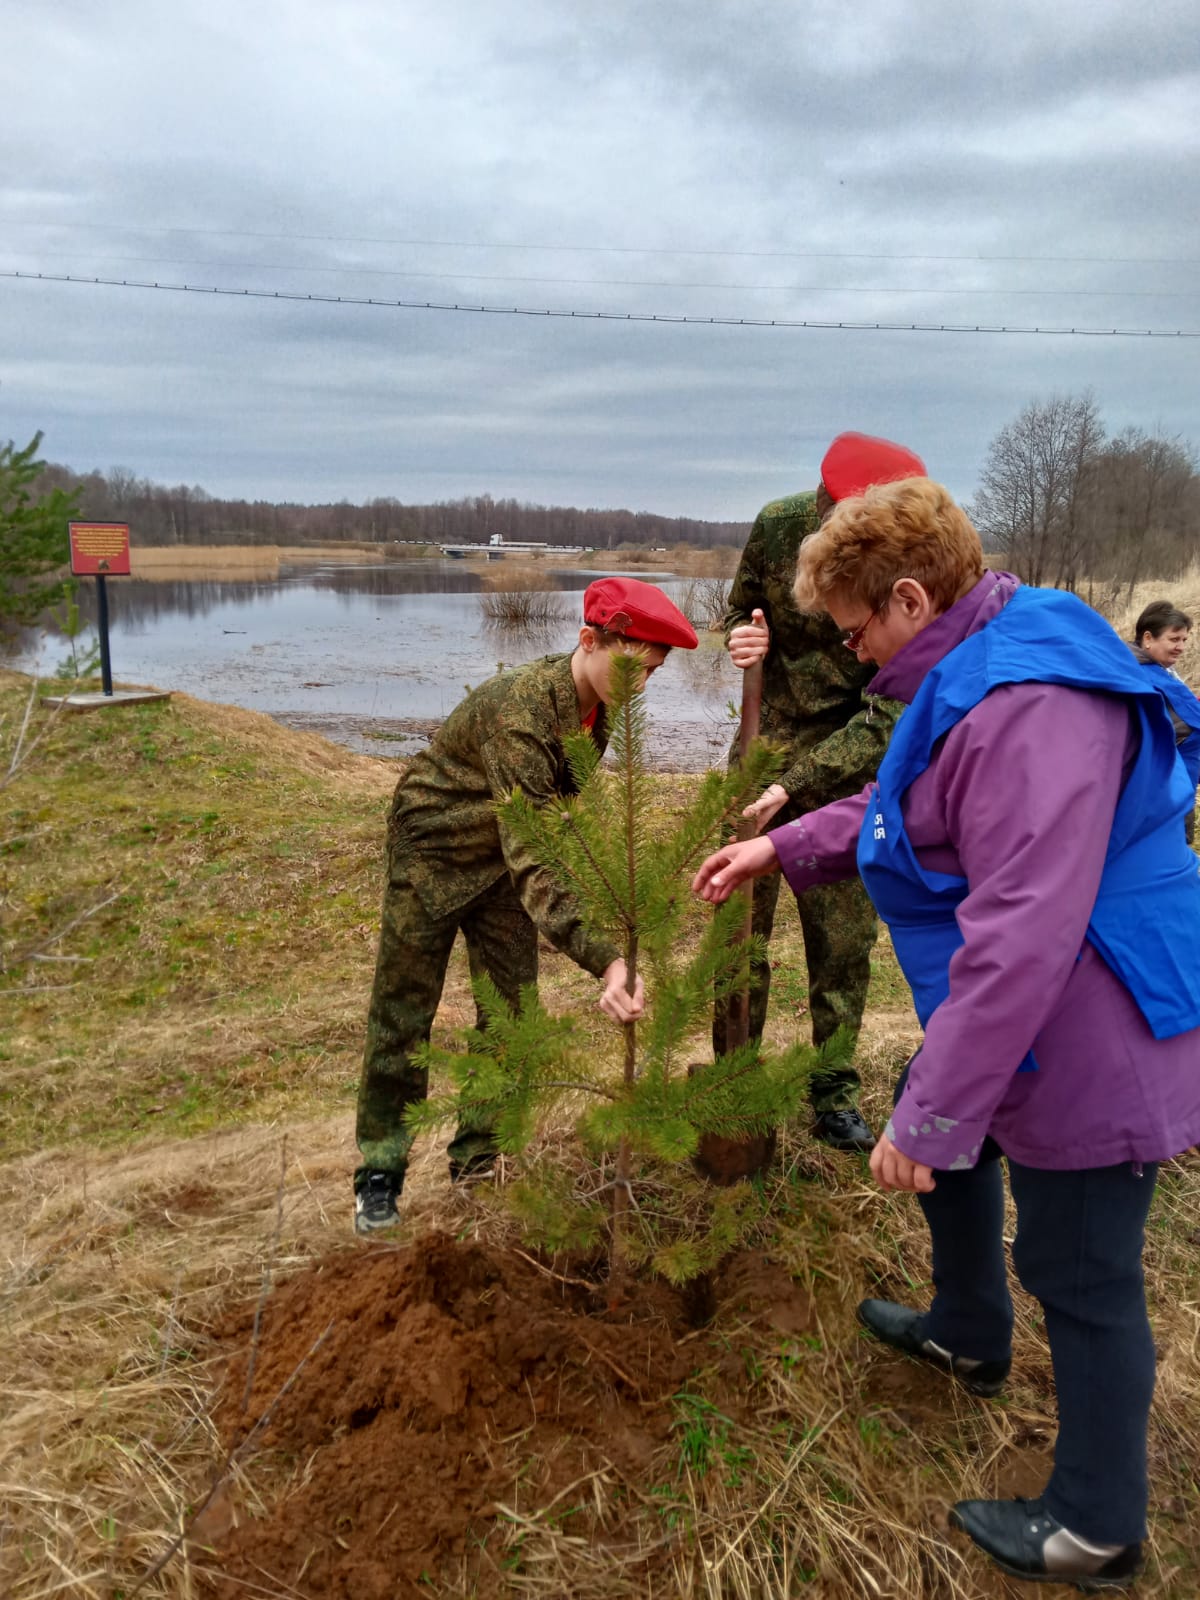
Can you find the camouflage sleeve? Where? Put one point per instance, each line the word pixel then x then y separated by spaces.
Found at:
pixel 525 758
pixel 846 761
pixel 748 590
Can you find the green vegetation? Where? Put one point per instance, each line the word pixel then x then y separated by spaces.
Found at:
pixel 189 916
pixel 34 544
pixel 648 1101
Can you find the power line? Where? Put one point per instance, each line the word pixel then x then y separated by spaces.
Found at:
pixel 841 325
pixel 625 283
pixel 601 249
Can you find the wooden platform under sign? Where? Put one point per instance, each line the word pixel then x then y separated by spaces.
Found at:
pixel 95 701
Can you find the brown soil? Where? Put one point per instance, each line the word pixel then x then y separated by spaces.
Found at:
pixel 418 1396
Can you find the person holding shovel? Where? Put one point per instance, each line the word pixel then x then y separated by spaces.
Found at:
pixel 1024 843
pixel 813 702
pixel 452 865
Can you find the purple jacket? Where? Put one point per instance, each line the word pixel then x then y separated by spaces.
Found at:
pixel 1019 800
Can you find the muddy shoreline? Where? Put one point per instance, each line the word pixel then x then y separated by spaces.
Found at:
pixel 671 747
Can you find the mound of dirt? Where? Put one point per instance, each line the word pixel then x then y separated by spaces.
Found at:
pixel 423 1395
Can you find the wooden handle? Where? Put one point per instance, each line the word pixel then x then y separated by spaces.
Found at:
pixel 738 1026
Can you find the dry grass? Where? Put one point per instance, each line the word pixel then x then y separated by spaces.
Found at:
pixel 249 560
pixel 704 603
pixel 835 1487
pixel 174 561
pixel 523 598
pixel 218 1008
pixel 1123 609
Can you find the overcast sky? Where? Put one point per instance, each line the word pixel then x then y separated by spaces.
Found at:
pixel 930 162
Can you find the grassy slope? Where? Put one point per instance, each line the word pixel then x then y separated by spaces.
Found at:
pixel 178 1121
pixel 226 977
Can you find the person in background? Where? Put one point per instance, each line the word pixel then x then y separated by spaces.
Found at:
pixel 1023 844
pixel 1160 637
pixel 813 703
pixel 453 865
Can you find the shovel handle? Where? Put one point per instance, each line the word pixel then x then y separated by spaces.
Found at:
pixel 738 1024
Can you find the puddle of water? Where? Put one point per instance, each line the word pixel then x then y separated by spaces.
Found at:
pixel 371 656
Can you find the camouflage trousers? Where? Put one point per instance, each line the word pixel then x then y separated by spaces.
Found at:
pixel 414 952
pixel 839 927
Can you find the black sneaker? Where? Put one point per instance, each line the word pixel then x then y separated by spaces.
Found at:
pixel 901 1328
pixel 844 1130
pixel 1025 1541
pixel 375 1196
pixel 480 1165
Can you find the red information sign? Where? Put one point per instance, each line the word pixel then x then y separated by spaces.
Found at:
pixel 100 549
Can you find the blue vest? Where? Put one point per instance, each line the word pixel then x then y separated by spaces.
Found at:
pixel 1187 708
pixel 1146 920
pixel 1175 692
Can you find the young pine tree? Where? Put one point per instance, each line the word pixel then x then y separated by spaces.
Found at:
pixel 647 1105
pixel 34 544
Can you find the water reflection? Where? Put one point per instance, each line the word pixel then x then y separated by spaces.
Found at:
pixel 374 655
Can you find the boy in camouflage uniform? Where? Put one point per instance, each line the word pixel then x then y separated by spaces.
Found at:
pixel 813 702
pixel 452 864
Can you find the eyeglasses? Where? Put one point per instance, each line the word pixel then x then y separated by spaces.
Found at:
pixel 854 638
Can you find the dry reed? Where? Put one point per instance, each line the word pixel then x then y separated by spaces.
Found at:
pixel 523 599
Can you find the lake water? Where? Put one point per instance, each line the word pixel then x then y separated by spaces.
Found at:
pixel 373 656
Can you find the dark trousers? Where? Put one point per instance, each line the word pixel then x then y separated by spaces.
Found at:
pixel 414 951
pixel 1078 1251
pixel 839 926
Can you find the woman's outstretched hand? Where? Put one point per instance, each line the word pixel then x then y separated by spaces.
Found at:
pixel 892 1169
pixel 723 872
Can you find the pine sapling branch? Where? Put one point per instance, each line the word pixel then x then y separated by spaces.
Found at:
pixel 624 913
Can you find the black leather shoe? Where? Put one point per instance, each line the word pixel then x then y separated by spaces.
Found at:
pixel 843 1130
pixel 1025 1541
pixel 901 1328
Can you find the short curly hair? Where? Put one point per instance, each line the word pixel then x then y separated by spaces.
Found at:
pixel 909 529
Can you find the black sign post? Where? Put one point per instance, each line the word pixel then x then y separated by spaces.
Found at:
pixel 102 630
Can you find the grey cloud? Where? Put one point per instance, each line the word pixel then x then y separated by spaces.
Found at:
pixel 661 130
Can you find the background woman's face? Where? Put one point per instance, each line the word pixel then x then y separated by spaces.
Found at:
pixel 1168 647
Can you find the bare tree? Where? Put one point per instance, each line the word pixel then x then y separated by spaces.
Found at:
pixel 1147 502
pixel 1036 497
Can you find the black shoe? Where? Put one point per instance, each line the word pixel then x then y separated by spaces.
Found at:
pixel 480 1165
pixel 901 1328
pixel 375 1196
pixel 1025 1541
pixel 843 1130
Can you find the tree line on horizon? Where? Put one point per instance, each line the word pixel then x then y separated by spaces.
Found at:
pixel 1060 501
pixel 162 515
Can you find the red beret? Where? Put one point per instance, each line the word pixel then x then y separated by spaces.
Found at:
pixel 855 461
pixel 638 610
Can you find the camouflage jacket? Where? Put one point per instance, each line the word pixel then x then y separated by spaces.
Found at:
pixel 814 699
pixel 443 828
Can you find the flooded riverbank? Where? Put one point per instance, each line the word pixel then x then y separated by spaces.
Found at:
pixel 374 655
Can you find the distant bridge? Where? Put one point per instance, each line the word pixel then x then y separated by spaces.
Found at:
pixel 497 547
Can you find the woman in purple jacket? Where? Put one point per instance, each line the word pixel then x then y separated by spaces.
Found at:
pixel 1023 843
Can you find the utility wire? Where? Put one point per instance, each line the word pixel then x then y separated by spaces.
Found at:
pixel 600 249
pixel 841 325
pixel 622 283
